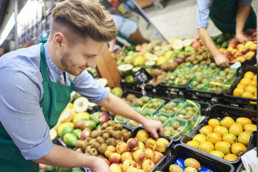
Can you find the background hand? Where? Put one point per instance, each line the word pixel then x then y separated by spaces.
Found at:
pixel 153 126
pixel 221 61
pixel 241 37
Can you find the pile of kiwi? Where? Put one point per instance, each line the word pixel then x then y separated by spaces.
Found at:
pixel 201 56
pixel 130 98
pixel 153 105
pixel 189 113
pixel 199 81
pixel 161 118
pixel 174 129
pixel 138 103
pixel 110 133
pixel 171 107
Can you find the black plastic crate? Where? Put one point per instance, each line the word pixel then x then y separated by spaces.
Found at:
pixel 251 145
pixel 219 112
pixel 173 91
pixel 242 102
pixel 167 153
pixel 182 151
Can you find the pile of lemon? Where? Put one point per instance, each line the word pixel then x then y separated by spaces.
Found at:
pixel 247 87
pixel 227 139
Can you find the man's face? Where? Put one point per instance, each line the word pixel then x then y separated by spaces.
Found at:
pixel 76 59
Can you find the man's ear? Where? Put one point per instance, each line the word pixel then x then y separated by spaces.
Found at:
pixel 59 39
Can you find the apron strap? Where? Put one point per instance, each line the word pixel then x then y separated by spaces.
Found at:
pixel 43 64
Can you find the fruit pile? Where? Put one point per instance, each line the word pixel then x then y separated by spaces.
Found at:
pixel 160 117
pixel 153 105
pixel 247 87
pixel 226 139
pixel 97 142
pixel 137 154
pixel 200 56
pixel 138 103
pixel 171 107
pixel 187 165
pixel 175 128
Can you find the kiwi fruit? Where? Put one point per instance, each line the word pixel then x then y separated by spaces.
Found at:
pixel 81 144
pixel 105 125
pixel 95 133
pixel 163 118
pixel 100 156
pixel 105 136
pixel 88 148
pixel 111 123
pixel 117 127
pixel 95 145
pixel 127 135
pixel 92 140
pixel 100 140
pixel 175 125
pixel 109 128
pixel 130 97
pixel 111 133
pixel 124 130
pixel 167 132
pixel 79 150
pixel 88 139
pixel 111 142
pixel 181 129
pixel 93 152
pixel 102 148
pixel 174 132
pixel 117 135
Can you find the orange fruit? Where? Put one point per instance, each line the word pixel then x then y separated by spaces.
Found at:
pixel 238 92
pixel 213 137
pixel 206 130
pixel 244 138
pixel 227 121
pixel 206 146
pixel 193 143
pixel 247 94
pixel 243 121
pixel 238 149
pixel 253 83
pixel 230 157
pixel 250 128
pixel 245 81
pixel 220 130
pixel 250 89
pixel 241 85
pixel 223 147
pixel 249 75
pixel 236 129
pixel 213 122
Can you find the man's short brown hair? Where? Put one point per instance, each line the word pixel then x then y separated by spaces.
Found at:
pixel 77 19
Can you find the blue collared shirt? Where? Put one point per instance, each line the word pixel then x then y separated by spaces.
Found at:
pixel 202 12
pixel 21 90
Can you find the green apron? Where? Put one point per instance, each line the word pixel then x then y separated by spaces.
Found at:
pixel 223 14
pixel 54 100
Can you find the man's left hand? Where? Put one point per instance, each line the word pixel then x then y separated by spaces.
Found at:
pixel 153 126
pixel 241 37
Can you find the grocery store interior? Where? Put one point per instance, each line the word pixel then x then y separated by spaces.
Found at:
pixel 199 87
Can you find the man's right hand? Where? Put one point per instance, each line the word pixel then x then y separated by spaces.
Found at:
pixel 99 165
pixel 221 61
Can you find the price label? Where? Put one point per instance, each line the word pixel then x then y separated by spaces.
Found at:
pixel 141 76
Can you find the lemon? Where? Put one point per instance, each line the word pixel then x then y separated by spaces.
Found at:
pixel 139 61
pixel 81 115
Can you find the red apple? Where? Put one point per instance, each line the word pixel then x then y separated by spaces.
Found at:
pixel 103 117
pixel 132 143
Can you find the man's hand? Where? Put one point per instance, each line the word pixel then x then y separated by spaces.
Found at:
pixel 153 126
pixel 221 60
pixel 241 37
pixel 99 165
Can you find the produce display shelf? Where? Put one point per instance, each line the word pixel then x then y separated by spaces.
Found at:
pixel 182 151
pixel 242 102
pixel 219 112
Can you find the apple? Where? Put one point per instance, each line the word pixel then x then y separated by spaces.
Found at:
pixel 161 144
pixel 115 168
pixel 148 153
pixel 132 143
pixel 114 158
pixel 150 142
pixel 157 156
pixel 78 123
pixel 132 169
pixel 196 44
pixel 129 163
pixel 121 147
pixel 126 156
pixel 142 135
pixel 139 155
pixel 141 145
pixel 109 151
pixel 147 165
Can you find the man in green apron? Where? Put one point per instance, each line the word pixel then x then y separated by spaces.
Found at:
pixel 35 87
pixel 233 16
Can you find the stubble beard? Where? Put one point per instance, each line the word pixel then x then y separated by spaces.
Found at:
pixel 67 64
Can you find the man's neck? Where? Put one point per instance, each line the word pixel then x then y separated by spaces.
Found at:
pixel 52 55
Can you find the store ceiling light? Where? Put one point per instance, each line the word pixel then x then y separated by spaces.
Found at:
pixel 7 29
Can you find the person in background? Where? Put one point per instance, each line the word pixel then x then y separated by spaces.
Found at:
pixel 233 16
pixel 128 30
pixel 35 87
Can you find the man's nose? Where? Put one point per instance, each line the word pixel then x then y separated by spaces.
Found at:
pixel 92 63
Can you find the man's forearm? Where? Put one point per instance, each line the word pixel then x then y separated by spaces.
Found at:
pixel 206 39
pixel 118 106
pixel 242 14
pixel 64 157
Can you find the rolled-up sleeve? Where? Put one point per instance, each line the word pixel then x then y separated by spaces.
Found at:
pixel 90 88
pixel 244 2
pixel 202 13
pixel 21 114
